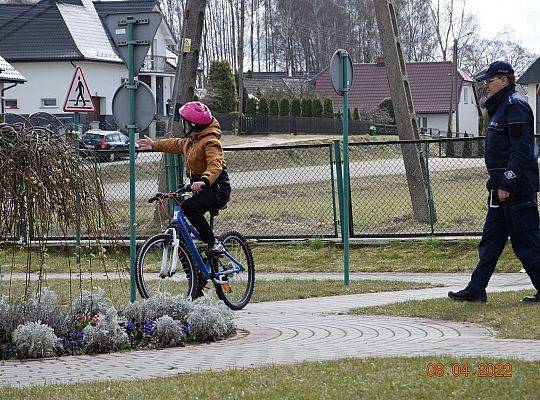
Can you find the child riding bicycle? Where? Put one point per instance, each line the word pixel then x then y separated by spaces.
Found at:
pixel 205 167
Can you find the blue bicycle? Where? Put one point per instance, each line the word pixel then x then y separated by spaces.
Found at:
pixel 179 245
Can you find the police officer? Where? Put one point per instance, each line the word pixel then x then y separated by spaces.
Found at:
pixel 513 182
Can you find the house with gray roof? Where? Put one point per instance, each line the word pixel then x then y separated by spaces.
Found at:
pixel 45 41
pixel 531 80
pixel 11 77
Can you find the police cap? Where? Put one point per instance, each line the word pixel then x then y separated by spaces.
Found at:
pixel 496 68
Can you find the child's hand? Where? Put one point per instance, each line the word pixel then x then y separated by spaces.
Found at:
pixel 197 186
pixel 146 143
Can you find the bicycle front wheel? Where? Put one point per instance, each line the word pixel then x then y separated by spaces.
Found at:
pixel 238 286
pixel 155 252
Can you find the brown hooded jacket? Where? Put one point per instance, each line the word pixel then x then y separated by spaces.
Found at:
pixel 202 152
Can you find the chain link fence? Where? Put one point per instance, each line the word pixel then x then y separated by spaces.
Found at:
pixel 291 191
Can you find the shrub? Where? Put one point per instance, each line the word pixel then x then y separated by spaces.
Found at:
pixel 34 340
pixel 284 107
pixel 90 303
pixel 356 114
pixel 107 335
pixel 328 111
pixel 251 107
pixel 306 108
pixel 317 109
pixel 262 108
pixel 168 332
pixel 273 108
pixel 222 97
pixel 45 307
pixel 295 107
pixel 210 320
pixel 387 106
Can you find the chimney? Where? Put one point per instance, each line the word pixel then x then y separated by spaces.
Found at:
pixel 380 61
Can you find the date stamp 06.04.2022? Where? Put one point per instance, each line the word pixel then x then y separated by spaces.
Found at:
pixel 479 370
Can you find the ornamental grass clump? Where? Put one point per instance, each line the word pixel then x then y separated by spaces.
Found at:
pixel 35 340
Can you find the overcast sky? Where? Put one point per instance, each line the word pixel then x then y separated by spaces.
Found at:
pixel 521 16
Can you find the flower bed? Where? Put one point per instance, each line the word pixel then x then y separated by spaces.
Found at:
pixel 42 327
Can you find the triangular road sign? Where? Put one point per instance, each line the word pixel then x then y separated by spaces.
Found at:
pixel 78 98
pixel 144 29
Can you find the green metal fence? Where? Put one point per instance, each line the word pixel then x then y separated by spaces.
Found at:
pixel 292 192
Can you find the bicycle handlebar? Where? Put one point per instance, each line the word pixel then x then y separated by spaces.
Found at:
pixel 158 196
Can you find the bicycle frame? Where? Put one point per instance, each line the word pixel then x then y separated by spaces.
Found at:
pixel 181 223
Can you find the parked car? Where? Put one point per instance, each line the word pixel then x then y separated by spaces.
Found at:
pixel 109 145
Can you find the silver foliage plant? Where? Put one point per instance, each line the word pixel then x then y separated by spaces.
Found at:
pixel 45 307
pixel 35 340
pixel 210 319
pixel 168 332
pixel 107 335
pixel 158 306
pixel 90 303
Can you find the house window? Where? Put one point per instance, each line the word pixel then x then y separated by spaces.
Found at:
pixel 466 95
pixel 48 103
pixel 10 103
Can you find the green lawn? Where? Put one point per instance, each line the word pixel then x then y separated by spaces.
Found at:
pixel 372 378
pixel 118 290
pixel 503 312
pixel 313 256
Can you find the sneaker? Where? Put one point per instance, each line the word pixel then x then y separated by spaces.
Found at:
pixel 215 250
pixel 532 299
pixel 468 295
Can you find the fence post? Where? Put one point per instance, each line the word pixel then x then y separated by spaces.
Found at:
pixel 428 187
pixel 331 148
pixel 339 176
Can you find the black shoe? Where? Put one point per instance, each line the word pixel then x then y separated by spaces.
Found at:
pixel 468 295
pixel 532 299
pixel 215 250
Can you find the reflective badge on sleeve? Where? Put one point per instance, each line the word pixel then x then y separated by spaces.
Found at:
pixel 509 174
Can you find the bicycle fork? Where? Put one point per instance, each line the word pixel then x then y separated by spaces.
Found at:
pixel 174 261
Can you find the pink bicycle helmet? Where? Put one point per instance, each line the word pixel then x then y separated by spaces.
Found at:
pixel 196 112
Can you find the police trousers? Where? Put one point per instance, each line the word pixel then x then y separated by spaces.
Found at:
pixel 518 220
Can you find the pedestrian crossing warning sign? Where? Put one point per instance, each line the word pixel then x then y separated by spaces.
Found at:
pixel 78 98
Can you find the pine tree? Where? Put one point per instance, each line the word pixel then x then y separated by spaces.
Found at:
pixel 221 88
pixel 284 107
pixel 328 108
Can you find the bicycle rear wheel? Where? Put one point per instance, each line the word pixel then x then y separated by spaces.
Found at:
pixel 153 253
pixel 238 289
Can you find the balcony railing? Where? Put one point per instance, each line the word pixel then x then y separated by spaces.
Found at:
pixel 158 64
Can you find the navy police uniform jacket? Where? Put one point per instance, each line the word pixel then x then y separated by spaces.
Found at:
pixel 510 153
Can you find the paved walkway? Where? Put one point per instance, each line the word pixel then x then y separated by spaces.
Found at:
pixel 299 330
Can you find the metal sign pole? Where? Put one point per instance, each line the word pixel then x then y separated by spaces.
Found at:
pixel 77 128
pixel 131 128
pixel 346 190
